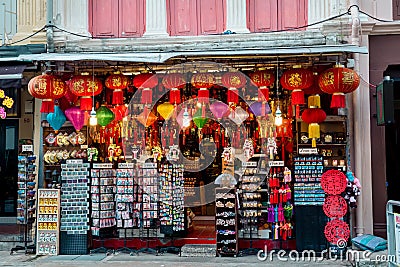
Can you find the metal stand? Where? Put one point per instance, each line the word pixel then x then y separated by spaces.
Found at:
pixel 147 249
pixel 125 249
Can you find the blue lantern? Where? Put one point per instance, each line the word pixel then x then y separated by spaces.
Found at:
pixel 56 119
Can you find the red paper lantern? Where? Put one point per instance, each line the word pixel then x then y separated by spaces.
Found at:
pixel 313 116
pixel 262 79
pixel 86 87
pixel 296 80
pixel 333 182
pixel 338 81
pixel 47 87
pixel 336 232
pixel 335 206
pixel 174 82
pixel 146 81
pixel 203 81
pixel 117 82
pixel 314 88
pixel 233 81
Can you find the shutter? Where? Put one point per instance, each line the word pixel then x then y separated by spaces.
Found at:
pixel 292 13
pixel 396 9
pixel 104 21
pixel 211 16
pixel 262 15
pixel 131 18
pixel 182 17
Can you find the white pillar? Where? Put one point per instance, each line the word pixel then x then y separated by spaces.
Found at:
pixel 236 16
pixel 156 18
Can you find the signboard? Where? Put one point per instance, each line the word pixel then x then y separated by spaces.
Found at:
pixel 276 163
pixel 384 103
pixel 27 148
pixel 305 151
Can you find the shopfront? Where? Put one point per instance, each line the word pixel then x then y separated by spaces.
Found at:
pixel 241 153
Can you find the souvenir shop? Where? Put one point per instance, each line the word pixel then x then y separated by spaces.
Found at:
pixel 239 154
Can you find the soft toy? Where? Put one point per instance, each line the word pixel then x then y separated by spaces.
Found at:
pixel 353 190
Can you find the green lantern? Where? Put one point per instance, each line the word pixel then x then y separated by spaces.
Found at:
pixel 104 116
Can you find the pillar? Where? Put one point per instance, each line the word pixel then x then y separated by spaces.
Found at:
pixel 236 16
pixel 156 18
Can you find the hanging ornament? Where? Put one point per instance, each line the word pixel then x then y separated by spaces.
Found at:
pixel 248 148
pixel 295 80
pixel 119 112
pixel 338 81
pixel 146 118
pixel 104 116
pixel 203 81
pixel 173 153
pixel 238 115
pixel 76 116
pixel 199 121
pixel 48 88
pixel 233 81
pixel 272 148
pixel 184 118
pixel 85 86
pixel 56 119
pixel 219 109
pixel 174 82
pixel 333 182
pixel 165 110
pixel 313 115
pixel 117 82
pixel 335 206
pixel 228 155
pixel 263 79
pixel 260 109
pixel 145 82
pixel 337 231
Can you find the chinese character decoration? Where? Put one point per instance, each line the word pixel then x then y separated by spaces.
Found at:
pixel 233 81
pixel 203 81
pixel 6 102
pixel 117 82
pixel 338 81
pixel 85 87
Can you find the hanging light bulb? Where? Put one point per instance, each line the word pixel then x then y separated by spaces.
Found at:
pixel 186 119
pixel 93 118
pixel 278 116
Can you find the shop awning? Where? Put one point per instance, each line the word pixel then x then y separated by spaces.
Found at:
pixel 161 57
pixel 11 75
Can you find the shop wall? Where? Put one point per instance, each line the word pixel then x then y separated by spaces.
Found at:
pixel 383 52
pixel 26 120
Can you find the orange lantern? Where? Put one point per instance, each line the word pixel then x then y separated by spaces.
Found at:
pixel 174 82
pixel 233 81
pixel 296 80
pixel 263 79
pixel 47 87
pixel 338 81
pixel 86 87
pixel 117 82
pixel 203 81
pixel 146 81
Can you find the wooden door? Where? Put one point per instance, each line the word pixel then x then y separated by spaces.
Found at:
pixel 262 15
pixel 211 16
pixel 103 18
pixel 182 17
pixel 292 14
pixel 131 18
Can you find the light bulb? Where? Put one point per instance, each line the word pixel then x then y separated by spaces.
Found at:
pixel 93 118
pixel 278 117
pixel 186 119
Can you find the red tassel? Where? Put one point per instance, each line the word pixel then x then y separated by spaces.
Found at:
pixel 47 106
pixel 86 103
pixel 147 96
pixel 338 100
pixel 263 94
pixel 118 97
pixel 203 95
pixel 297 111
pixel 233 95
pixel 298 97
pixel 175 96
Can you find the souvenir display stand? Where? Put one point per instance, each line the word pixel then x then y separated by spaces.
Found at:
pixel 26 202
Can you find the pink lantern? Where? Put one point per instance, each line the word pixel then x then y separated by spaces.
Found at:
pixel 183 118
pixel 76 116
pixel 219 109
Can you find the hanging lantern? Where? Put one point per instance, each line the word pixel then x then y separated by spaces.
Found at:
pixel 219 109
pixel 199 120
pixel 119 112
pixel 295 80
pixel 184 118
pixel 47 87
pixel 165 110
pixel 146 81
pixel 86 87
pixel 56 119
pixel 146 119
pixel 314 88
pixel 76 116
pixel 313 115
pixel 203 81
pixel 238 115
pixel 104 116
pixel 262 79
pixel 259 109
pixel 338 81
pixel 117 82
pixel 174 82
pixel 233 81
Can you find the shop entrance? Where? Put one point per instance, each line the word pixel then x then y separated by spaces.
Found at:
pixel 8 166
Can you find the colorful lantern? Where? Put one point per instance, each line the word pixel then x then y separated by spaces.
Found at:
pixel 233 81
pixel 117 82
pixel 76 116
pixel 259 109
pixel 263 79
pixel 338 81
pixel 313 115
pixel 184 118
pixel 86 87
pixel 203 81
pixel 104 116
pixel 47 87
pixel 56 119
pixel 165 110
pixel 238 116
pixel 199 120
pixel 296 80
pixel 219 109
pixel 146 81
pixel 146 119
pixel 174 82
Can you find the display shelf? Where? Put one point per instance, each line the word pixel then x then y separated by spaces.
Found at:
pixel 148 181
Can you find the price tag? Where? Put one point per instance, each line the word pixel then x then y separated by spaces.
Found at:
pixel 249 164
pixel 278 163
pixel 27 148
pixel 126 165
pixel 305 151
pixel 150 165
pixel 84 146
pixel 102 165
pixel 74 161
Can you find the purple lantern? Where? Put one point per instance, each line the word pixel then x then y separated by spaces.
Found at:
pixel 76 116
pixel 260 109
pixel 219 109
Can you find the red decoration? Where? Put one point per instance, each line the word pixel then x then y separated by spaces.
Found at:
pixel 338 81
pixel 119 112
pixel 314 88
pixel 313 116
pixel 335 206
pixel 337 231
pixel 203 81
pixel 174 82
pixel 86 87
pixel 295 80
pixel 233 81
pixel 146 81
pixel 262 79
pixel 117 82
pixel 333 182
pixel 47 87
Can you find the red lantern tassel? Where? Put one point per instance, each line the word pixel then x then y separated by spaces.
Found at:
pixel 338 100
pixel 203 95
pixel 47 106
pixel 175 96
pixel 86 103
pixel 233 96
pixel 147 96
pixel 118 97
pixel 298 97
pixel 297 111
pixel 263 94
